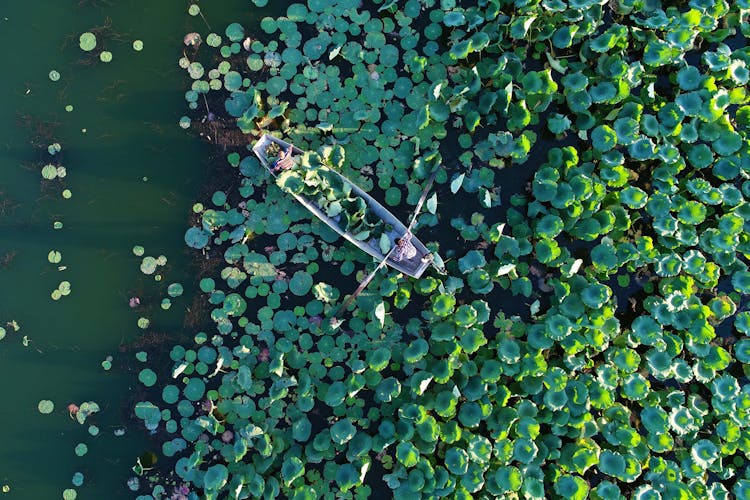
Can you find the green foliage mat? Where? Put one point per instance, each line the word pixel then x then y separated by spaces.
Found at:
pixel 630 246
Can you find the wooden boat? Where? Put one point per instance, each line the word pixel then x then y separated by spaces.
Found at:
pixel 413 266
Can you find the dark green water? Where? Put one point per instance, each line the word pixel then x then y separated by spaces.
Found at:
pixel 129 109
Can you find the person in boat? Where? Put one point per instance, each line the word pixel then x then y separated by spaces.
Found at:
pixel 285 160
pixel 404 250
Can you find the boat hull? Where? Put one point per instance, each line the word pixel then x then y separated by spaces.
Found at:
pixel 413 267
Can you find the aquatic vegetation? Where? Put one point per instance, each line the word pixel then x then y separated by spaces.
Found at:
pixel 62 290
pixel 46 406
pixel 630 245
pixel 87 41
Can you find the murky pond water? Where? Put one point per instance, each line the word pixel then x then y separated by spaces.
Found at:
pixel 133 175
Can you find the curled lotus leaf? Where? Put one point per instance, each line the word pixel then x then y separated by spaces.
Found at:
pixel 336 394
pixel 235 32
pixel 147 377
pixel 291 469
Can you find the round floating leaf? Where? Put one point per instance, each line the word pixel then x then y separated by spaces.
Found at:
pixel 77 479
pixel 635 387
pixel 603 138
pixel 175 290
pixel 196 237
pixel 457 461
pixel 301 283
pixel 700 156
pixel 69 494
pixel 596 295
pixel 81 449
pixel 54 75
pixel 742 350
pixel 571 487
pixel 407 454
pixel 336 394
pixel 634 197
pixel 46 406
pixel 87 41
pixel 170 394
pixel 742 322
pixel 147 377
pixel 342 431
pixel 49 172
pixel 105 56
pixel 443 305
pixel 235 32
pixel 54 257
pixel 148 265
pixel 138 45
pixel 689 78
pixel 704 453
pixel 215 477
pixel 194 389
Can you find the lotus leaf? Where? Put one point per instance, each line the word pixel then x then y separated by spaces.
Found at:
pixel 456 461
pixel 81 449
pixel 595 295
pixel 194 389
pixel 147 377
pixel 604 138
pixel 45 406
pixel 416 350
pixel 443 305
pixel 291 469
pixel 87 41
pixel 216 476
pixel 197 238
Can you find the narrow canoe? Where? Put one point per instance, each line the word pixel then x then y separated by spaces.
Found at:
pixel 414 266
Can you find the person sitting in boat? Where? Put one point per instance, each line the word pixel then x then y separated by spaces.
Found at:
pixel 404 250
pixel 285 160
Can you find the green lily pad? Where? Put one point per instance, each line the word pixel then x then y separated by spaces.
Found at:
pixel 46 406
pixel 87 41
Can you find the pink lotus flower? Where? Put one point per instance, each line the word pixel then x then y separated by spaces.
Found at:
pixel 264 355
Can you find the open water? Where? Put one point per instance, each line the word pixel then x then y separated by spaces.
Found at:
pixel 134 175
